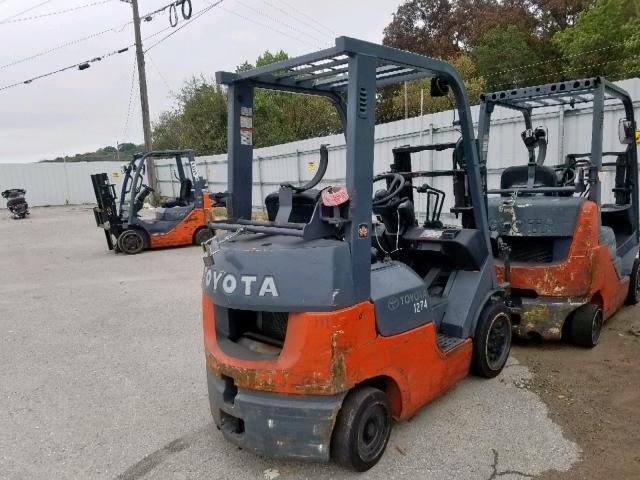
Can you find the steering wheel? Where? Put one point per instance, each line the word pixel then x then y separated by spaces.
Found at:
pixel 395 187
pixel 568 177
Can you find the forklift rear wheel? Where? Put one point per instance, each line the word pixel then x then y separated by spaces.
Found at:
pixel 492 341
pixel 362 429
pixel 586 324
pixel 131 241
pixel 633 296
pixel 202 235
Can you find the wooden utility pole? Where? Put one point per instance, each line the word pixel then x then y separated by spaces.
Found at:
pixel 144 103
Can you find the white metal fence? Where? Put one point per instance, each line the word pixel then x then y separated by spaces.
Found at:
pixel 569 132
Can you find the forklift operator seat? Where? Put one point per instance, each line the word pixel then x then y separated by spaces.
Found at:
pixel 186 191
pixel 303 204
pixel 186 198
pixel 513 177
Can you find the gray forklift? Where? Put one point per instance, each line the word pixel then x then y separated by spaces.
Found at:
pixel 180 220
pixel 573 257
pixel 322 325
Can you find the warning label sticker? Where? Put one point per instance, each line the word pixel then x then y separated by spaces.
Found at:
pixel 246 126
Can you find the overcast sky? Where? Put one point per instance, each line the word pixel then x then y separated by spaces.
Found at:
pixel 80 111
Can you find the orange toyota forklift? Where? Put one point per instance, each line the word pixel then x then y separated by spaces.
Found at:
pixel 320 325
pixel 573 260
pixel 178 221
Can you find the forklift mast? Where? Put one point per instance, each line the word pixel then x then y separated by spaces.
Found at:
pixel 347 75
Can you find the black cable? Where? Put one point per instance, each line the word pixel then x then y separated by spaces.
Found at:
pixel 59 12
pixel 269 27
pixel 283 23
pixel 25 11
pixel 76 41
pixel 80 66
pixel 197 15
pixel 53 49
pixel 133 78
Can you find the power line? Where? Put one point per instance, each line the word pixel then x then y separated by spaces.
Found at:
pixel 555 60
pixel 115 29
pixel 269 27
pixel 195 16
pixel 584 67
pixel 160 74
pixel 308 24
pixel 25 11
pixel 53 49
pixel 80 66
pixel 302 14
pixel 284 24
pixel 133 81
pixel 59 12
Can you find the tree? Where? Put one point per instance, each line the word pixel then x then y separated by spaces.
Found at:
pixel 501 55
pixel 445 28
pixel 199 121
pixel 556 15
pixel 605 40
pixel 391 104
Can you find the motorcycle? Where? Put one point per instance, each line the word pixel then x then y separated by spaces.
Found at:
pixel 16 203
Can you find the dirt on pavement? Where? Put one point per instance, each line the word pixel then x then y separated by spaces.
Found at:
pixel 594 395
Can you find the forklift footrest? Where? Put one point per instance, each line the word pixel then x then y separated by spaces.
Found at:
pixel 446 343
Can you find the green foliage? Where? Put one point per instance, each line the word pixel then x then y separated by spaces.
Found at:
pixel 500 56
pixel 199 120
pixel 391 104
pixel 604 41
pixel 105 154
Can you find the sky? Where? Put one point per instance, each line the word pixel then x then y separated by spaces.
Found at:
pixel 78 111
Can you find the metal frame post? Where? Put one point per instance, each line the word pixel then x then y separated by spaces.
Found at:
pixel 360 132
pixel 596 143
pixel 240 156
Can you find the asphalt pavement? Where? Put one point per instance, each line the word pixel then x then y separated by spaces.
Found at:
pixel 102 376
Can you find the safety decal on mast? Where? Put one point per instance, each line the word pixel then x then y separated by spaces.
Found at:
pixel 246 126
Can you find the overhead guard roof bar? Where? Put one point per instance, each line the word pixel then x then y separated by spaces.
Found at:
pixel 327 70
pixel 555 94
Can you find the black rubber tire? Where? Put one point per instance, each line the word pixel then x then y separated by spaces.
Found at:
pixel 586 325
pixel 202 235
pixel 492 340
pixel 633 297
pixel 132 241
pixel 362 429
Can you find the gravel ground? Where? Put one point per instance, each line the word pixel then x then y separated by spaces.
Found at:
pixel 103 377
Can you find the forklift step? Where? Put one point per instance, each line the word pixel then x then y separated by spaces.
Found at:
pixel 446 343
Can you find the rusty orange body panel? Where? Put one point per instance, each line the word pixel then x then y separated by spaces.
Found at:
pixel 329 352
pixel 182 233
pixel 587 273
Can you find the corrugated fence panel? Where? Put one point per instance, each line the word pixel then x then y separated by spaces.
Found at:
pixel 569 132
pixel 56 183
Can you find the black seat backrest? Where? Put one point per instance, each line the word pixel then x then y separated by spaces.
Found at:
pixel 303 204
pixel 513 177
pixel 186 191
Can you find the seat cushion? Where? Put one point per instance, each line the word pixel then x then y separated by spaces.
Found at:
pixel 173 213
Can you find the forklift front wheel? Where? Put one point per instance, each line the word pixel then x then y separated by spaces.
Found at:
pixel 633 296
pixel 202 235
pixel 131 241
pixel 492 341
pixel 362 429
pixel 586 324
